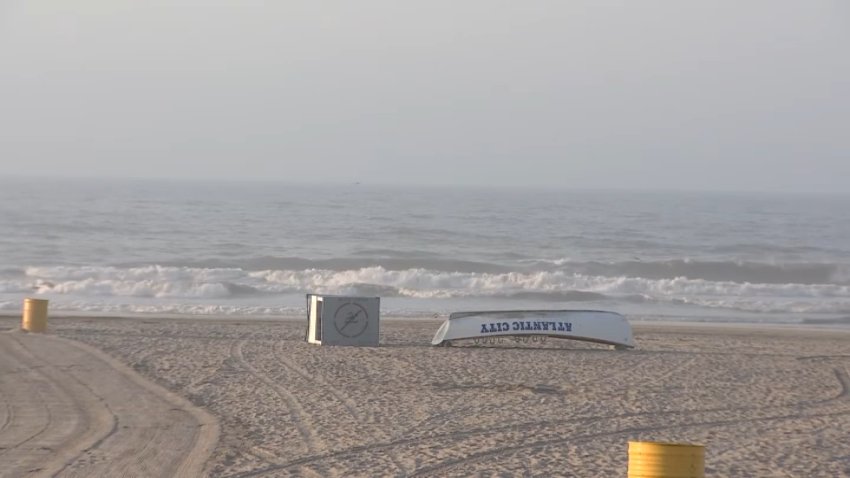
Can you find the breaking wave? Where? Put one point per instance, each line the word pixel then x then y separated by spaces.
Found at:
pixel 722 271
pixel 213 290
pixel 717 271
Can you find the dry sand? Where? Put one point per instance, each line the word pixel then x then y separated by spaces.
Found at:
pixel 765 401
pixel 69 410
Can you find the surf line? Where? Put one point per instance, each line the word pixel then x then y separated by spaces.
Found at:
pixel 524 326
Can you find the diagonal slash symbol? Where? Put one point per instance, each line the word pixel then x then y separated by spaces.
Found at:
pixel 352 318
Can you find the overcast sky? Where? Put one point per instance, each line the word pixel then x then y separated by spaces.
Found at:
pixel 728 95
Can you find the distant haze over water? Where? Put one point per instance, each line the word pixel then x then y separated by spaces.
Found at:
pixel 255 249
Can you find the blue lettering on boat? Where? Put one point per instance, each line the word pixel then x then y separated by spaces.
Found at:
pixel 525 326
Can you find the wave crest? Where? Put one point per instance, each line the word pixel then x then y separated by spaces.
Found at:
pixel 720 271
pixel 240 286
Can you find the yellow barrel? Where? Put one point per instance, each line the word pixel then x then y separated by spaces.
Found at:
pixel 666 460
pixel 35 315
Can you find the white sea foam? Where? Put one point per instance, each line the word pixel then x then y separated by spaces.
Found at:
pixel 204 289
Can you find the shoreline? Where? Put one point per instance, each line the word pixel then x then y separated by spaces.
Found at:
pixel 838 326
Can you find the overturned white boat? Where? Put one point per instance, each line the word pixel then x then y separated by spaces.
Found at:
pixel 587 325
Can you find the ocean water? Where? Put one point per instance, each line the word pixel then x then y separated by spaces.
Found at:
pixel 125 247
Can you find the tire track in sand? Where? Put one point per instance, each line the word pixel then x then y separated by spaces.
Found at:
pixel 842 375
pixel 346 401
pixel 349 404
pixel 28 395
pixel 7 412
pixel 439 469
pixel 447 439
pixel 105 420
pixel 300 418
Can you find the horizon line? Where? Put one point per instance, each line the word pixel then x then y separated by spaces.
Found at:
pixel 387 184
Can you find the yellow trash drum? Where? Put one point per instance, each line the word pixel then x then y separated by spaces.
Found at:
pixel 35 315
pixel 666 460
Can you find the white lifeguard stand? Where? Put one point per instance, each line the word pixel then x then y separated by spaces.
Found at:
pixel 340 320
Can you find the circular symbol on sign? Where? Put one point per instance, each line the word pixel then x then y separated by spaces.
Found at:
pixel 351 319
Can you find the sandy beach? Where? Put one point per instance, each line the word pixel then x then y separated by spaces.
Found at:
pixel 231 398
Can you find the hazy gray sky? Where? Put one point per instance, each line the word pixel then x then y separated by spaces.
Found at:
pixel 715 94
